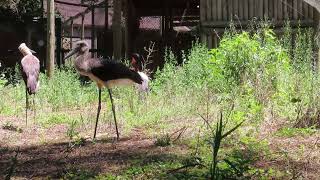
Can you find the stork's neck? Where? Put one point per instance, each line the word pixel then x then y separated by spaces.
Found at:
pixel 80 63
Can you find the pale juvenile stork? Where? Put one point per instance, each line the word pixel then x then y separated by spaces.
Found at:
pixel 106 73
pixel 30 68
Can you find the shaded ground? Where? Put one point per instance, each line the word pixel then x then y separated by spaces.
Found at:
pixel 299 156
pixel 48 153
pixel 55 156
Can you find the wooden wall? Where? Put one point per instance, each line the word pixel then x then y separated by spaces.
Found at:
pixel 215 15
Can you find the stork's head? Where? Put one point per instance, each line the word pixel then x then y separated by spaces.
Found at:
pixel 137 62
pixel 25 50
pixel 81 48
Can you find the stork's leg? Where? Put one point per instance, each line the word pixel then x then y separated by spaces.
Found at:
pixel 27 106
pixel 114 113
pixel 34 107
pixel 98 113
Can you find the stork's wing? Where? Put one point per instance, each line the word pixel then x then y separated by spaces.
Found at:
pixel 30 67
pixel 107 70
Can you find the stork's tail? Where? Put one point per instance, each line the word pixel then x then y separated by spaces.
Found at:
pixel 144 86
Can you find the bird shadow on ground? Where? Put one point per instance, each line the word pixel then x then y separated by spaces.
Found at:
pixel 55 160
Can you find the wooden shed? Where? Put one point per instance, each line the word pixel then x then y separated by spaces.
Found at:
pixel 215 15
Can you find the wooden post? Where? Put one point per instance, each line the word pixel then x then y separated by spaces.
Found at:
pixel 50 38
pixel 203 8
pixel 106 25
pixel 71 34
pixel 93 33
pixel 82 27
pixel 128 27
pixel 117 32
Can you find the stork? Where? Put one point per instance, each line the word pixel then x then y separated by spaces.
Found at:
pixel 105 73
pixel 30 68
pixel 137 62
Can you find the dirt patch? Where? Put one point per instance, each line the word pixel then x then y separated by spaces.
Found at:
pixel 47 153
pixel 299 155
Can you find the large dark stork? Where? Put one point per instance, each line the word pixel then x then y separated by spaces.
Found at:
pixel 106 73
pixel 30 68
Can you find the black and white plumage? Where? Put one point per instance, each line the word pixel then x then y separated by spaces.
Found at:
pixel 30 69
pixel 106 73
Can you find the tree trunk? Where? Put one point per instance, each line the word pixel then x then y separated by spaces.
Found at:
pixel 50 38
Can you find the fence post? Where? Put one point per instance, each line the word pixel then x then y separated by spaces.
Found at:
pixel 50 38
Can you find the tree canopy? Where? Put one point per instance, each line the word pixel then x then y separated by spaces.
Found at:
pixel 20 8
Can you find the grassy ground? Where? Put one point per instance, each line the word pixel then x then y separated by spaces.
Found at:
pixel 172 132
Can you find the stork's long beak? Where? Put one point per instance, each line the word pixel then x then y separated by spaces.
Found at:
pixel 72 52
pixel 32 51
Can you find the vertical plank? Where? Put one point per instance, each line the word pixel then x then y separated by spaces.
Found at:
pixel 305 10
pixel 240 8
pixel 265 9
pixel 230 10
pixel 295 9
pixel 214 10
pixel 299 9
pixel 290 9
pixel 209 8
pixel 245 9
pixel 236 9
pixel 215 41
pixel 310 12
pixel 256 8
pixel 271 10
pixel 209 37
pixel 285 9
pixel 219 10
pixel 260 9
pixel 251 9
pixel 280 11
pixel 203 8
pixel 224 10
pixel 275 10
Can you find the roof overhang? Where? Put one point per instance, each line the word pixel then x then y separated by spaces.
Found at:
pixel 314 3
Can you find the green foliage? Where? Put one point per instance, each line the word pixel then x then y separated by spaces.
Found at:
pixel 191 74
pixel 163 141
pixel 249 59
pixel 71 132
pixel 292 132
pixel 79 174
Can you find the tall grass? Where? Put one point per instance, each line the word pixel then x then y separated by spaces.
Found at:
pixel 257 74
